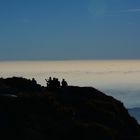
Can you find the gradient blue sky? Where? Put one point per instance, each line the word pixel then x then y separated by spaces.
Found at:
pixel 69 29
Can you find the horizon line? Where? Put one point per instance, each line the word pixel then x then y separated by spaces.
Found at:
pixel 39 60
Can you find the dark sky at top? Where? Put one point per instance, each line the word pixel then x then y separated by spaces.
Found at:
pixel 69 29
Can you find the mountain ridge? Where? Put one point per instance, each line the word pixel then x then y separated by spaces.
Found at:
pixel 39 113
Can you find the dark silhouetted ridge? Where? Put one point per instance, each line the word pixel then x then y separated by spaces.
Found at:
pixel 29 111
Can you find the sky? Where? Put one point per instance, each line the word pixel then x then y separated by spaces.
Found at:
pixel 69 29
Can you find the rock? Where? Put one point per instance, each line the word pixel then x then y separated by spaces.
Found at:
pixel 69 113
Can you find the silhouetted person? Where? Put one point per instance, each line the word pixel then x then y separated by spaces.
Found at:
pixel 53 83
pixel 64 83
pixel 49 82
pixel 34 81
pixel 50 79
pixel 58 83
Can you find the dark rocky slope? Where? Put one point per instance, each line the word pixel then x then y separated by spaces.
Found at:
pixel 135 112
pixel 31 112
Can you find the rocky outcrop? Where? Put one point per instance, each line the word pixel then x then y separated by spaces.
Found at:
pixel 69 113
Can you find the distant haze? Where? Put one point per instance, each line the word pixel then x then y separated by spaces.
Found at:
pixel 121 79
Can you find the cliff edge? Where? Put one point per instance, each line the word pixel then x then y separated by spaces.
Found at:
pixel 30 111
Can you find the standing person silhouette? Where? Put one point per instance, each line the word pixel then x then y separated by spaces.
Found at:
pixel 49 82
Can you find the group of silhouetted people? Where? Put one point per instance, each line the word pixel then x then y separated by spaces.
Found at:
pixel 55 83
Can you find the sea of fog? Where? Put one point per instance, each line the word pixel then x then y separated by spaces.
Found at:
pixel 120 79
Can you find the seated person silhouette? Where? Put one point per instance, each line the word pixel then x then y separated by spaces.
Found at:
pixel 64 83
